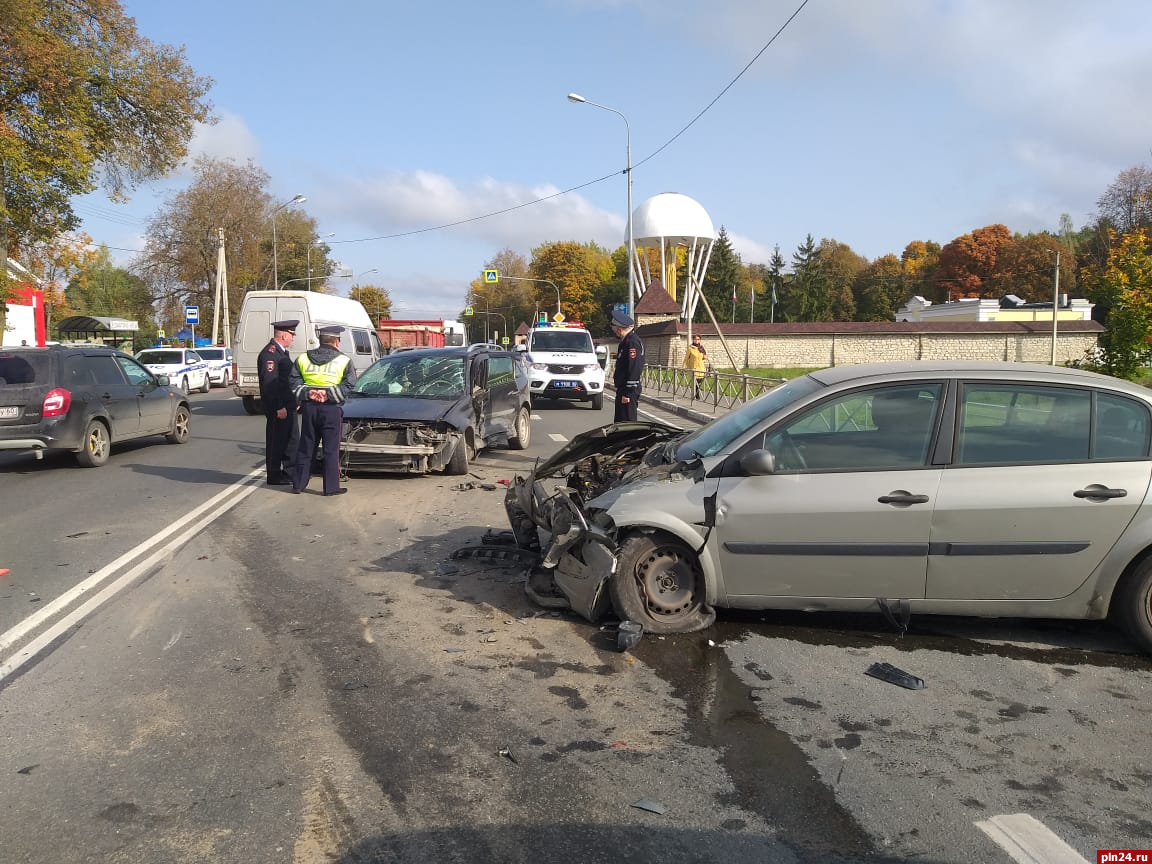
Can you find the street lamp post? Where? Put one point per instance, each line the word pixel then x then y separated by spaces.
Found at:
pixel 365 273
pixel 298 199
pixel 312 243
pixel 555 287
pixel 1055 304
pixel 576 97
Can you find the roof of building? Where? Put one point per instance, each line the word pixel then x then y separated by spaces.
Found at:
pixel 656 301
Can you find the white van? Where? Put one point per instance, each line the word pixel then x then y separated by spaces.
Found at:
pixel 312 309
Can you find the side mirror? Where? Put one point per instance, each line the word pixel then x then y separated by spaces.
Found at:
pixel 602 355
pixel 522 348
pixel 758 462
pixel 163 380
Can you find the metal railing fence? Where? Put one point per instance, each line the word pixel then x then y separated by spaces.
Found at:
pixel 716 389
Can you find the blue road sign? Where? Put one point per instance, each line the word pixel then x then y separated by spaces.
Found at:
pixel 491 277
pixel 191 314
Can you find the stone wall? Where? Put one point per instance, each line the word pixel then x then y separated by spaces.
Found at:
pixel 821 349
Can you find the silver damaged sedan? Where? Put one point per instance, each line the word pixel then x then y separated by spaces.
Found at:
pixel 950 488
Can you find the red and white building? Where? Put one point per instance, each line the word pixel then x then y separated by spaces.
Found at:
pixel 26 323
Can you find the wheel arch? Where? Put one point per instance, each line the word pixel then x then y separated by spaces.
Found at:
pixel 691 537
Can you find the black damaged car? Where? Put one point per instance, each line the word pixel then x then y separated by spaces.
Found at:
pixel 435 409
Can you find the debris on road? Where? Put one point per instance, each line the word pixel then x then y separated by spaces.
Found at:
pixel 888 672
pixel 651 806
pixel 507 754
pixel 628 635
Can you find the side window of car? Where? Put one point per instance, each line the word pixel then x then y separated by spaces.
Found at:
pixel 1005 424
pixel 192 357
pixel 134 372
pixel 499 371
pixel 865 430
pixel 76 372
pixel 1121 428
pixel 105 370
pixel 362 342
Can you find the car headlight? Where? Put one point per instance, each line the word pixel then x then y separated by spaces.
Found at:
pixel 591 367
pixel 540 367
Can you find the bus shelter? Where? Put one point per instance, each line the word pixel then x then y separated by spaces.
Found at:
pixel 111 332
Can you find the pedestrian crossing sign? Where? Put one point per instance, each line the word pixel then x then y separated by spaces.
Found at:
pixel 491 277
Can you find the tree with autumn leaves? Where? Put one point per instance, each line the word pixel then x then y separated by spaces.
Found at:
pixel 84 100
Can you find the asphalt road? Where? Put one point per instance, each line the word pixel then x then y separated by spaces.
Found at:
pixel 294 678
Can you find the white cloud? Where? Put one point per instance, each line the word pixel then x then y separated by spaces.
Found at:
pixel 229 138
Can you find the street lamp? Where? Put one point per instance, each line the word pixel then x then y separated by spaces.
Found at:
pixel 576 97
pixel 298 199
pixel 545 281
pixel 312 243
pixel 365 273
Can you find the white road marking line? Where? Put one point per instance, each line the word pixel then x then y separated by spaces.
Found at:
pixel 556 436
pixel 1028 840
pixel 213 507
pixel 536 417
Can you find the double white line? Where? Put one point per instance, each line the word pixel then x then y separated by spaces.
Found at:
pixel 51 622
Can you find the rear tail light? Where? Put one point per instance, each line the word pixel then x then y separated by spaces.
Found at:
pixel 57 403
pixel 235 372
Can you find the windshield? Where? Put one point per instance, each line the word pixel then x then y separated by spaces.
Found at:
pixel 579 341
pixel 211 353
pixel 418 375
pixel 717 435
pixel 158 357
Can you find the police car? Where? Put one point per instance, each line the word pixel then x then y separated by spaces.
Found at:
pixel 563 363
pixel 219 364
pixel 185 368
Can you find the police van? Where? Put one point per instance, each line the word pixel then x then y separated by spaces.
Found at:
pixel 564 363
pixel 312 309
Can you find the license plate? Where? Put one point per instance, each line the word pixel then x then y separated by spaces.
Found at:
pixel 9 412
pixel 568 384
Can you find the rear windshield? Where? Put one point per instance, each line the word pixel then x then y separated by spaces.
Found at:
pixel 579 341
pixel 154 357
pixel 24 368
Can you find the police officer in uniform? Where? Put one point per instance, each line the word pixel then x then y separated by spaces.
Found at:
pixel 321 379
pixel 281 427
pixel 629 367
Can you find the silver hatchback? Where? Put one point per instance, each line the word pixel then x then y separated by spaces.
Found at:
pixel 955 488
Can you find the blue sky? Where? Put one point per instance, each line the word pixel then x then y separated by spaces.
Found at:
pixel 873 122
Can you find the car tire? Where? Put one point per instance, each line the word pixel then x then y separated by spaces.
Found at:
pixel 206 386
pixel 184 385
pixel 95 447
pixel 181 426
pixel 251 405
pixel 522 429
pixel 1131 606
pixel 458 464
pixel 597 401
pixel 659 583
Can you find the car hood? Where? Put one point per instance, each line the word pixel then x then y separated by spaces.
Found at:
pixel 611 440
pixel 398 408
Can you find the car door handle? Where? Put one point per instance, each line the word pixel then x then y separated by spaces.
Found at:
pixel 903 498
pixel 1100 492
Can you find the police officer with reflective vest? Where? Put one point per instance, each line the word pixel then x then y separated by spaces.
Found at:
pixel 321 380
pixel 281 425
pixel 629 368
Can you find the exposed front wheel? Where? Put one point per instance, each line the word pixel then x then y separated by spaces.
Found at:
pixel 96 445
pixel 458 464
pixel 521 431
pixel 658 582
pixel 181 426
pixel 1131 606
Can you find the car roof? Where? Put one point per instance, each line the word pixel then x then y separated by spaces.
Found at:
pixel 862 372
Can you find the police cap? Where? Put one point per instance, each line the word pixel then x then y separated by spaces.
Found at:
pixel 622 319
pixel 287 326
pixel 334 330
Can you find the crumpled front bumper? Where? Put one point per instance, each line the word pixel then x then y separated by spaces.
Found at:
pixel 577 557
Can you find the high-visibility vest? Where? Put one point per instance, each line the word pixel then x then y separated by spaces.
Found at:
pixel 328 375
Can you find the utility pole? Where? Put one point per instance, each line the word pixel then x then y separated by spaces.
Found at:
pixel 1055 305
pixel 220 309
